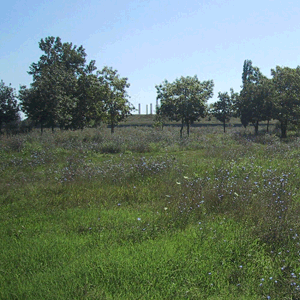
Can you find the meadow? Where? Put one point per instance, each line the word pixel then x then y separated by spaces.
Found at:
pixel 145 214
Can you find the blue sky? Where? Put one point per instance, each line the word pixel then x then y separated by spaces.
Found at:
pixel 150 40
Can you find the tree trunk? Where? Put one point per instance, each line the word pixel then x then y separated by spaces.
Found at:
pixel 256 127
pixel 181 129
pixel 283 125
pixel 188 129
pixel 112 130
pixel 42 129
pixel 224 126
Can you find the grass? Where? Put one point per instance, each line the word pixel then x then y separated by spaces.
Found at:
pixel 149 120
pixel 144 214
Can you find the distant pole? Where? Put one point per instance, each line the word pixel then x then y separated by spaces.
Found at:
pixel 150 108
pixel 139 108
pixel 147 109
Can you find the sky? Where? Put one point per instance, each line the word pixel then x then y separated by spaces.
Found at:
pixel 149 41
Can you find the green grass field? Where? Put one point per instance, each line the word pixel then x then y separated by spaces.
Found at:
pixel 143 214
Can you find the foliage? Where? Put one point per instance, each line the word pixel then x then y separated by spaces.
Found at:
pixel 9 108
pixel 184 99
pixel 90 104
pixel 287 96
pixel 223 109
pixel 160 119
pixel 66 92
pixel 254 102
pixel 116 106
pixel 52 96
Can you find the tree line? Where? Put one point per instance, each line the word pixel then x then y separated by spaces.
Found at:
pixel 260 99
pixel 66 91
pixel 70 93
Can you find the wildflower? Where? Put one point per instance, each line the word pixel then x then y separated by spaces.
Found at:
pixel 178 182
pixel 139 219
pixel 165 208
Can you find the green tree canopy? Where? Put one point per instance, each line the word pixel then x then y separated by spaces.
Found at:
pixel 116 106
pixel 52 96
pixel 9 108
pixel 254 102
pixel 223 108
pixel 90 102
pixel 184 99
pixel 286 96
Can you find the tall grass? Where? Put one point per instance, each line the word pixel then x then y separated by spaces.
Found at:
pixel 143 214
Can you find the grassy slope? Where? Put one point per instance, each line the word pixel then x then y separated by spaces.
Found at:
pixel 144 214
pixel 139 120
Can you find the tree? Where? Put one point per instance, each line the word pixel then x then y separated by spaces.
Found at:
pixel 254 99
pixel 116 106
pixel 267 91
pixel 286 96
pixel 89 101
pixel 222 109
pixel 9 108
pixel 32 105
pixel 52 96
pixel 160 119
pixel 184 100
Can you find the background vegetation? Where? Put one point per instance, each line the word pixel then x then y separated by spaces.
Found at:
pixel 67 92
